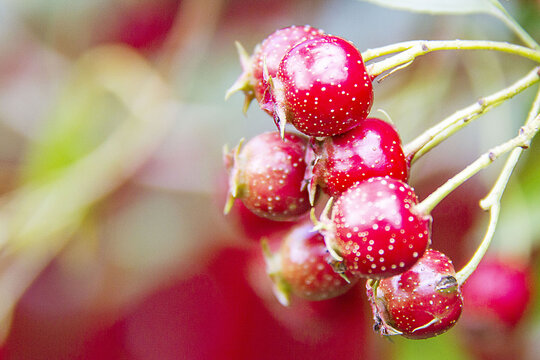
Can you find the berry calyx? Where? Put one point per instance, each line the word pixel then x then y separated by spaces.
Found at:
pixel 375 230
pixel 267 54
pixel 423 302
pixel 303 267
pixel 267 175
pixel 372 149
pixel 497 294
pixel 322 87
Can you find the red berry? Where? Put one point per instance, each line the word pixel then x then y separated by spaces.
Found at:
pixel 423 302
pixel 303 266
pixel 497 294
pixel 269 53
pixel 375 228
pixel 322 87
pixel 372 149
pixel 244 223
pixel 267 175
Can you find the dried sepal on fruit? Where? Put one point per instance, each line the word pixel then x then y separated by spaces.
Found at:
pixel 267 54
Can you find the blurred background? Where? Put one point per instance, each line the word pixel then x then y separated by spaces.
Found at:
pixel 112 123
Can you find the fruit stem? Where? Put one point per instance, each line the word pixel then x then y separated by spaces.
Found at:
pixel 468 269
pixel 523 139
pixel 513 25
pixel 448 126
pixel 409 50
pixel 492 201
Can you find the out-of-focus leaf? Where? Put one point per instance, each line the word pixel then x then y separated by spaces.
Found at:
pixel 440 6
pixel 101 97
pixel 72 167
pixel 529 178
pixel 82 119
pixel 37 220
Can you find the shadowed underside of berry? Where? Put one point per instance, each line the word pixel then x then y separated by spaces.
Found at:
pixel 267 54
pixel 303 267
pixel 372 149
pixel 375 229
pixel 267 174
pixel 322 87
pixel 423 302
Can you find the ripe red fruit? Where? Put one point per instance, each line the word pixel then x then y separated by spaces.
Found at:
pixel 423 302
pixel 497 294
pixel 245 224
pixel 375 228
pixel 372 149
pixel 267 175
pixel 269 53
pixel 303 267
pixel 322 87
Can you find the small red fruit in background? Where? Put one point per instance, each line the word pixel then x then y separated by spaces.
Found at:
pixel 423 302
pixel 303 267
pixel 267 175
pixel 497 293
pixel 375 229
pixel 268 54
pixel 497 296
pixel 143 25
pixel 322 87
pixel 372 149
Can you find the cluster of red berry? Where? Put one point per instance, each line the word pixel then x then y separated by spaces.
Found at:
pixel 370 227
